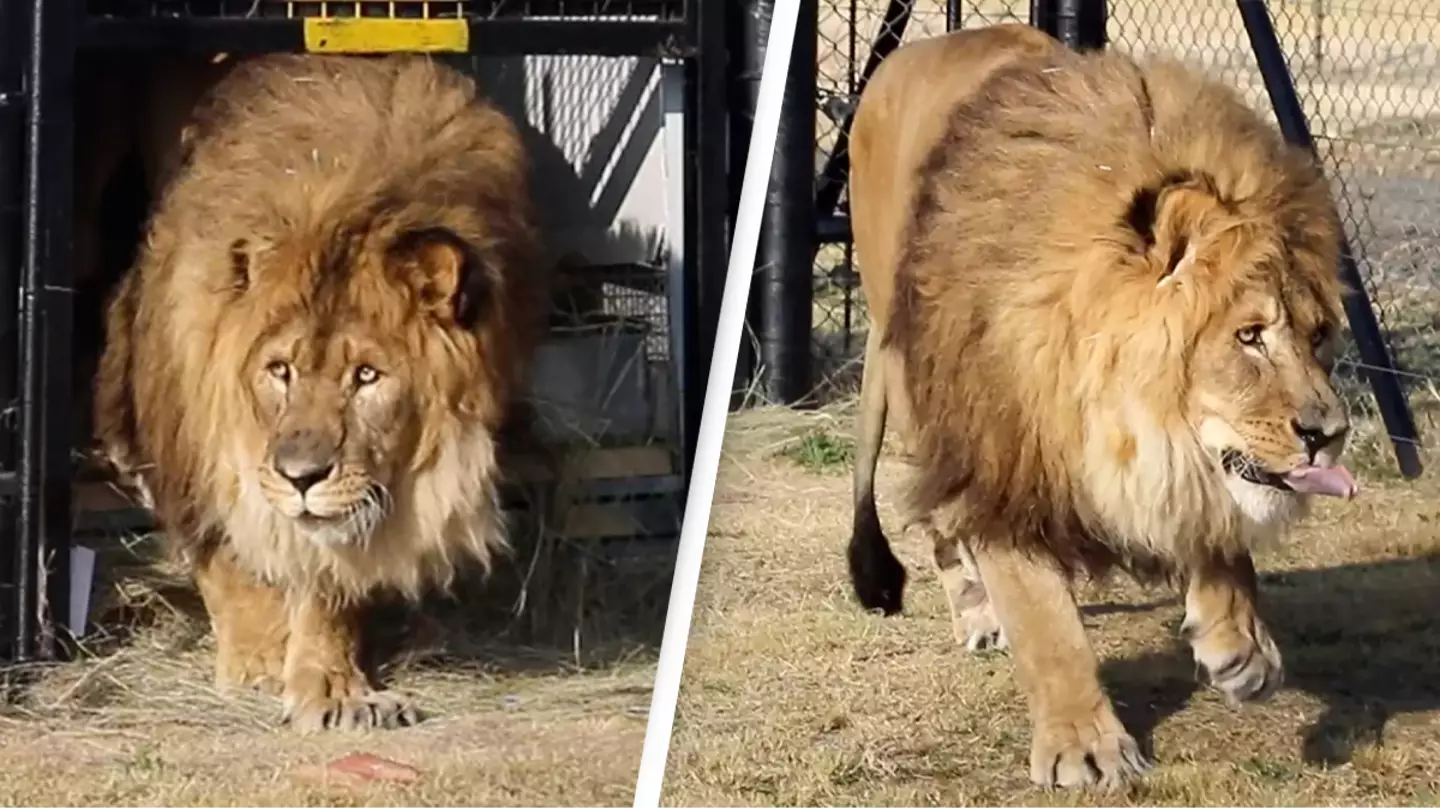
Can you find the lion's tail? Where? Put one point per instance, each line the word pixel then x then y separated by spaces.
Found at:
pixel 875 573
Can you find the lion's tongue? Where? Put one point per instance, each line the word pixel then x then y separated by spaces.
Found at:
pixel 1334 480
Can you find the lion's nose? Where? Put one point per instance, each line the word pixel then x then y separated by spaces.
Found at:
pixel 1317 437
pixel 304 474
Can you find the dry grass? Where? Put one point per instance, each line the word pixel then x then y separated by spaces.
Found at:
pixel 793 696
pixel 547 707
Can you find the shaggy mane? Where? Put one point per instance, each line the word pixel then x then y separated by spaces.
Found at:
pixel 298 173
pixel 1049 224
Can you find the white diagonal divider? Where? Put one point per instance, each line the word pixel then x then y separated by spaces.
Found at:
pixel 717 402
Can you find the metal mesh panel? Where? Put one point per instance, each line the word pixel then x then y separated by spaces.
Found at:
pixel 404 9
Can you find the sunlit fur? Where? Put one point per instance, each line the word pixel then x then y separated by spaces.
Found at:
pixel 1088 237
pixel 330 212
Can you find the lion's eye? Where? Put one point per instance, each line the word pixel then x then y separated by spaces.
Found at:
pixel 366 375
pixel 280 370
pixel 1249 336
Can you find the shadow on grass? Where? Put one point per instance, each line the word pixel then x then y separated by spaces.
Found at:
pixel 1363 638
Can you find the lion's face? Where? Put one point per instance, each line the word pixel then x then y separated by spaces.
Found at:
pixel 345 378
pixel 1262 402
pixel 339 405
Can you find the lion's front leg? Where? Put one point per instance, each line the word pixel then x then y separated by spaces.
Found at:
pixel 1225 632
pixel 1077 738
pixel 324 684
pixel 250 624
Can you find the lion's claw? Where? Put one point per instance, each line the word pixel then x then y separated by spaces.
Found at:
pixel 1074 758
pixel 1243 667
pixel 978 630
pixel 372 710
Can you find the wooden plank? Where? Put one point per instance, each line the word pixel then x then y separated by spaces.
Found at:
pixel 596 463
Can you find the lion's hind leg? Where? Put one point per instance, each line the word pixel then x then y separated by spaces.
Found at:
pixel 1077 739
pixel 1225 632
pixel 250 624
pixel 971 614
pixel 325 687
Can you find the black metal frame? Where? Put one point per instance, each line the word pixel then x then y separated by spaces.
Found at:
pixel 39 43
pixel 780 307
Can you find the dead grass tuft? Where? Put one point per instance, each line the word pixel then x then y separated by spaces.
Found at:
pixel 535 686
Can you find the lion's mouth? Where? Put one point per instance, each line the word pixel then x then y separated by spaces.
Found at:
pixel 1311 479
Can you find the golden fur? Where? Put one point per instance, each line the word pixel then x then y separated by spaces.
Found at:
pixel 334 306
pixel 1108 307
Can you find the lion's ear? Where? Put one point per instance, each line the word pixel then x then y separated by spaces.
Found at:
pixel 446 275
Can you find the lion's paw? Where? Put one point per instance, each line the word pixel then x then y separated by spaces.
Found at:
pixel 978 630
pixel 1085 755
pixel 366 711
pixel 1243 667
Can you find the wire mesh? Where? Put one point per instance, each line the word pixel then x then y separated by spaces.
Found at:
pixel 1368 75
pixel 399 9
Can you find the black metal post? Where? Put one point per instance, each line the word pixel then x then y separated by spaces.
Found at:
pixel 14 27
pixel 837 165
pixel 1379 368
pixel 783 285
pixel 707 224
pixel 1043 15
pixel 45 412
pixel 954 14
pixel 748 65
pixel 1081 23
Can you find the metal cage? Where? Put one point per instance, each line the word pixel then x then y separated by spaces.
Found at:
pixel 40 44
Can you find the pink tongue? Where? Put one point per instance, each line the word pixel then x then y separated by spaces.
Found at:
pixel 1335 481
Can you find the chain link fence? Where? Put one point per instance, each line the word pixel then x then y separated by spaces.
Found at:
pixel 1368 75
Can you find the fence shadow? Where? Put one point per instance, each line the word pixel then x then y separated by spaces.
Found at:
pixel 1362 638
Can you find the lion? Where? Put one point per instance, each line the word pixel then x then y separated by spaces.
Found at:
pixel 1104 308
pixel 338 294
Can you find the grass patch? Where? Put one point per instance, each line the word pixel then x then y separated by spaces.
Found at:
pixel 820 451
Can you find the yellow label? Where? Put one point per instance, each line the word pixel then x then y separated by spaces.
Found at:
pixel 382 35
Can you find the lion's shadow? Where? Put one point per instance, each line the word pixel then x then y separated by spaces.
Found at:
pixel 1360 637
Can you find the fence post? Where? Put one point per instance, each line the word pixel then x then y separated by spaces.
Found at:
pixel 1379 368
pixel 14 26
pixel 45 469
pixel 1081 23
pixel 784 289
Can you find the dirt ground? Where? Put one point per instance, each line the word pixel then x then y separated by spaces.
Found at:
pixel 545 708
pixel 794 696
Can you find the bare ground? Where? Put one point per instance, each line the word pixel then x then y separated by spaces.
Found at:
pixel 794 696
pixel 547 708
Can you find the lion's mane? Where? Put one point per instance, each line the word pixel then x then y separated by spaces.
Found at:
pixel 1035 244
pixel 318 160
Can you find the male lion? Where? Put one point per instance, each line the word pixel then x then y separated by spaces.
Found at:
pixel 307 367
pixel 1105 305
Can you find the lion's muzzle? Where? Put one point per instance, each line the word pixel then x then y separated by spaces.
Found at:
pixel 304 459
pixel 1322 429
